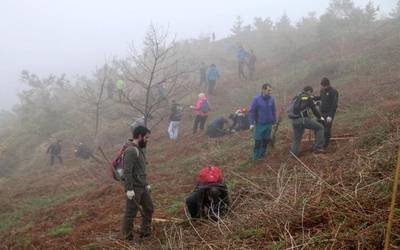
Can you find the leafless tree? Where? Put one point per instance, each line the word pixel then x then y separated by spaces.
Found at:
pixel 155 76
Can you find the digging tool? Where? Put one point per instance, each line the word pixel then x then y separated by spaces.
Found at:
pixel 273 137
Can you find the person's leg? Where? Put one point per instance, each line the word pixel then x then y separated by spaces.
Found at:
pixel 60 159
pixel 318 130
pixel 170 132
pixel 266 135
pixel 298 131
pixel 258 142
pixel 327 133
pixel 203 122
pixel 52 159
pixel 176 130
pixel 196 123
pixel 148 209
pixel 211 87
pixel 129 217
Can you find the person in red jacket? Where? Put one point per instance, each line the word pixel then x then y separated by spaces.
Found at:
pixel 201 110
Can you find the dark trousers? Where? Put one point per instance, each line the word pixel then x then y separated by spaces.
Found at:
pixel 53 158
pixel 142 198
pixel 211 86
pixel 193 204
pixel 327 131
pixel 199 121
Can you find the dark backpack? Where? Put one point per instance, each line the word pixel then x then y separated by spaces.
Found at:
pixel 117 165
pixel 204 107
pixel 293 110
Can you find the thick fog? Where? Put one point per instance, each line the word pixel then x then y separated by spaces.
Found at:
pixel 71 36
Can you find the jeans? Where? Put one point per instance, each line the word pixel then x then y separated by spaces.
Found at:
pixel 211 86
pixel 142 197
pixel 299 125
pixel 173 130
pixel 262 136
pixel 199 121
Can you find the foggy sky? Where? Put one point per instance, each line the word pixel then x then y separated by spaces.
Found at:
pixel 72 37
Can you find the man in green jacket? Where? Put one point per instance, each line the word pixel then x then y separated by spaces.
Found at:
pixel 136 187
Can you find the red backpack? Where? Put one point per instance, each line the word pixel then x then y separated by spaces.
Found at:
pixel 117 165
pixel 210 175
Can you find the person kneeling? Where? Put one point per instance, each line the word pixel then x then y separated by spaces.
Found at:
pixel 210 197
pixel 216 128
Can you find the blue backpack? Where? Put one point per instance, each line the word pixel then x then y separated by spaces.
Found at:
pixel 204 107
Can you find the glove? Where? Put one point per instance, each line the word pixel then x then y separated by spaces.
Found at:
pixel 251 127
pixel 130 194
pixel 322 119
pixel 148 188
pixel 192 107
pixel 329 119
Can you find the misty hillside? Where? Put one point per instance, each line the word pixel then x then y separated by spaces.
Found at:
pixel 339 200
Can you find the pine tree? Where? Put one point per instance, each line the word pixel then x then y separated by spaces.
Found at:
pixel 237 26
pixel 396 11
pixel 370 11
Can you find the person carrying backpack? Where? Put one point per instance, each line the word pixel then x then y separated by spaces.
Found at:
pixel 212 77
pixel 174 118
pixel 329 101
pixel 201 110
pixel 210 197
pixel 137 188
pixel 298 112
pixel 262 115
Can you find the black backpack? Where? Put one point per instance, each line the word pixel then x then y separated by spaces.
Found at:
pixel 295 108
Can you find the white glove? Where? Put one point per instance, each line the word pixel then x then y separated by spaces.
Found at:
pixel 192 107
pixel 148 187
pixel 329 119
pixel 322 119
pixel 251 127
pixel 130 194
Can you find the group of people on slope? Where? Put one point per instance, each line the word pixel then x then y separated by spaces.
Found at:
pixel 210 197
pixel 245 58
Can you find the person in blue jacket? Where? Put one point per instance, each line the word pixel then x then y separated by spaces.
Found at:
pixel 212 77
pixel 262 116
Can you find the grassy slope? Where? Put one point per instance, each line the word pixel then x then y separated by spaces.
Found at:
pixel 339 200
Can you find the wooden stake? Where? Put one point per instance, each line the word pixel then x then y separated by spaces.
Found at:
pixel 392 205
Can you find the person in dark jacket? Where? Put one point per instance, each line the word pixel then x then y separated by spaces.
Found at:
pixel 136 187
pixel 262 115
pixel 208 201
pixel 174 120
pixel 240 120
pixel 216 127
pixel 329 101
pixel 301 120
pixel 55 152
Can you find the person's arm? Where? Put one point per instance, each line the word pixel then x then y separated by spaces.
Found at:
pixel 334 104
pixel 253 111
pixel 273 110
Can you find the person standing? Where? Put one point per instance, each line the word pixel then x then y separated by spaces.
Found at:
pixel 174 120
pixel 120 84
pixel 136 187
pixel 262 115
pixel 55 152
pixel 252 64
pixel 329 101
pixel 298 112
pixel 242 56
pixel 212 77
pixel 201 110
